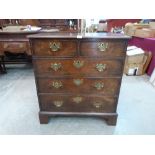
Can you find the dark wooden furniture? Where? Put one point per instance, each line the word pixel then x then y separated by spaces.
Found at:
pixel 15 42
pixel 15 45
pixel 78 74
pixel 2 64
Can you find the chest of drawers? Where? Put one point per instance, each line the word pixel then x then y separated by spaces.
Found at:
pixel 78 75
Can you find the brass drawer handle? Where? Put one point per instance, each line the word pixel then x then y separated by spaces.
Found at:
pixel 54 46
pixel 78 63
pixel 6 45
pixel 56 66
pixel 58 103
pixel 78 82
pixel 99 85
pixel 77 99
pixel 101 67
pixel 21 45
pixel 57 84
pixel 97 104
pixel 102 46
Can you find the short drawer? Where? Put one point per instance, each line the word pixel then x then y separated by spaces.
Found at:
pixel 103 48
pixel 78 66
pixel 54 48
pixel 105 86
pixel 15 46
pixel 77 103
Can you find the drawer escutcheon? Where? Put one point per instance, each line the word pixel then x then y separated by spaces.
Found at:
pixel 78 82
pixel 97 104
pixel 77 99
pixel 78 63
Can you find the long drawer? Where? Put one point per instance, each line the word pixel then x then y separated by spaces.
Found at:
pixel 79 66
pixel 15 46
pixel 102 48
pixel 77 103
pixel 105 86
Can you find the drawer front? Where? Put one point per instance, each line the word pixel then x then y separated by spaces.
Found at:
pixel 55 48
pixel 105 86
pixel 77 103
pixel 102 48
pixel 15 46
pixel 79 66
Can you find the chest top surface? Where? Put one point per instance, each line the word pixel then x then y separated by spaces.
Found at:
pixel 80 36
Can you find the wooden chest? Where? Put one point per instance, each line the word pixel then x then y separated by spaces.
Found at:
pixel 78 74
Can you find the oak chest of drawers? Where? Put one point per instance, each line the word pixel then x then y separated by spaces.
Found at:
pixel 78 74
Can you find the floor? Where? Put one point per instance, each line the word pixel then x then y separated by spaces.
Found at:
pixel 19 108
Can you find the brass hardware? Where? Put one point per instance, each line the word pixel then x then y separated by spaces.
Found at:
pixel 6 45
pixel 78 63
pixel 57 84
pixel 100 67
pixel 99 85
pixel 58 103
pixel 77 99
pixel 102 46
pixel 97 104
pixel 78 82
pixel 21 46
pixel 56 66
pixel 54 46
